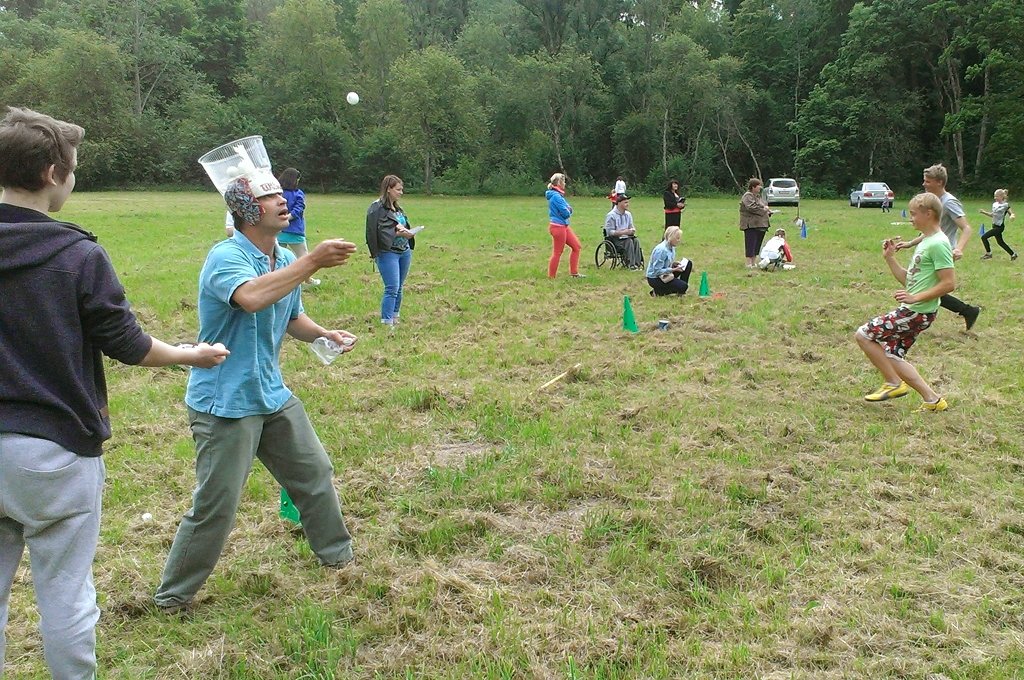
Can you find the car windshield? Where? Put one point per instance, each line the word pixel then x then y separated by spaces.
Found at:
pixel 875 186
pixel 784 183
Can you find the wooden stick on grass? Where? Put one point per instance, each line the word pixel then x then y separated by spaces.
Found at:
pixel 558 377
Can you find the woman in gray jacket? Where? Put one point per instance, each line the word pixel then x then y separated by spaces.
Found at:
pixel 390 243
pixel 754 214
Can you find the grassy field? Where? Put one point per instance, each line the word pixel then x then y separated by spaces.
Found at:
pixel 713 501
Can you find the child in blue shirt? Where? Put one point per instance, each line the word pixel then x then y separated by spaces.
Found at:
pixel 294 235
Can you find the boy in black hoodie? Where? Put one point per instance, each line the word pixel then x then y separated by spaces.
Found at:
pixel 63 308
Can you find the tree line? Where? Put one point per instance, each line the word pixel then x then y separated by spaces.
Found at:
pixel 492 96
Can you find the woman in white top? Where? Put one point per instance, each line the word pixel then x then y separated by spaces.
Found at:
pixel 618 190
pixel 620 185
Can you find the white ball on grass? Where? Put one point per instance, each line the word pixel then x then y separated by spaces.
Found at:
pixel 147 517
pixel 352 98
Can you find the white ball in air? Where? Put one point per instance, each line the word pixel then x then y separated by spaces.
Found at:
pixel 352 98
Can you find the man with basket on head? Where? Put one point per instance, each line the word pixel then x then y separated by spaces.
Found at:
pixel 250 297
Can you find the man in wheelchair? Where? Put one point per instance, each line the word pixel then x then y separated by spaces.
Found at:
pixel 619 229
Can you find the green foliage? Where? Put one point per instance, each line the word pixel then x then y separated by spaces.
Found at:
pixel 830 91
pixel 378 154
pixel 855 133
pixel 466 178
pixel 561 93
pixel 436 119
pixel 44 79
pixel 222 37
pixel 303 70
pixel 320 146
pixel 384 31
pixel 636 142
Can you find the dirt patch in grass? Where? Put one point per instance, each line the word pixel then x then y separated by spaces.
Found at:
pixel 419 459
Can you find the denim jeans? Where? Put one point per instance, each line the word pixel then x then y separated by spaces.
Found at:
pixel 393 268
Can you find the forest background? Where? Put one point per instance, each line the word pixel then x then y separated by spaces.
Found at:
pixel 492 96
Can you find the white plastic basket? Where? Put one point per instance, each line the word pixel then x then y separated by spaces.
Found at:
pixel 232 160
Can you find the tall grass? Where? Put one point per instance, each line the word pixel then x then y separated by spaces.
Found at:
pixel 715 500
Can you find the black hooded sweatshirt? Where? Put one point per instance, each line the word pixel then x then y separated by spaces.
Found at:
pixel 61 309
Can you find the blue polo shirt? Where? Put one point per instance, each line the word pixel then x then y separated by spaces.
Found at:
pixel 249 381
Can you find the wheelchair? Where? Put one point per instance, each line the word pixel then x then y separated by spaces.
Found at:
pixel 608 252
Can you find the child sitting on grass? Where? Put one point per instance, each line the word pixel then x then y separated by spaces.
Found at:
pixel 886 339
pixel 775 252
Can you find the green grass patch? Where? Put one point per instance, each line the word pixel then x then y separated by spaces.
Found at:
pixel 714 501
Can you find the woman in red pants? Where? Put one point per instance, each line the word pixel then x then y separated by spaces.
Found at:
pixel 558 226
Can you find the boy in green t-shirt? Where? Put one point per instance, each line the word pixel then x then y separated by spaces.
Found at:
pixel 886 339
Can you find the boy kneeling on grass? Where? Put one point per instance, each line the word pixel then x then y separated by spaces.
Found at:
pixel 887 339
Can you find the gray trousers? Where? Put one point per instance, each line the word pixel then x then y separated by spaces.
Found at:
pixel 50 500
pixel 630 249
pixel 225 448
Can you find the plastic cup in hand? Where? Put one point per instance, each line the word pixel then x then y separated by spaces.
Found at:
pixel 327 350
